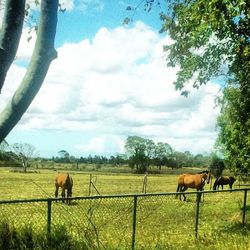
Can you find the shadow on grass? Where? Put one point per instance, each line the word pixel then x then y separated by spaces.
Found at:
pixel 247 208
pixel 237 228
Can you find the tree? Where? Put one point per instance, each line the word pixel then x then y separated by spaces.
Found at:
pixel 43 54
pixel 206 36
pixel 217 165
pixel 181 159
pixel 135 147
pixel 234 137
pixel 149 150
pixel 163 153
pixel 23 153
pixel 200 160
pixel 212 39
pixel 117 160
pixel 3 149
pixel 63 156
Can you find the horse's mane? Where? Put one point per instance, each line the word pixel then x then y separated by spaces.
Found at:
pixel 203 172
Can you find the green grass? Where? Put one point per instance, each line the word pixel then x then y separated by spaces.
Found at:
pixel 163 222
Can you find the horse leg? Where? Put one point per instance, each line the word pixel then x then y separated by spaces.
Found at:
pixel 69 194
pixel 178 190
pixel 183 190
pixel 56 191
pixel 63 193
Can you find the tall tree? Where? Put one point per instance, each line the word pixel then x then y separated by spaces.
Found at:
pixel 212 39
pixel 234 136
pixel 43 54
pixel 135 147
pixel 163 153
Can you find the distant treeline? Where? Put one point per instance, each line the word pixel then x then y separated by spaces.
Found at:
pixel 140 154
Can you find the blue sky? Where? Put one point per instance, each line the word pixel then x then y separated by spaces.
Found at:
pixel 108 82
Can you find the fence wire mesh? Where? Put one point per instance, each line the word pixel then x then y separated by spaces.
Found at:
pixel 114 222
pixel 25 214
pixel 100 222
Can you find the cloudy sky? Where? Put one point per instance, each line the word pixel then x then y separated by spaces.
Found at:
pixel 110 81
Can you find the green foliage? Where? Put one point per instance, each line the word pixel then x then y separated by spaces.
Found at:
pixel 206 35
pixel 135 147
pixel 26 238
pixel 212 39
pixel 234 134
pixel 217 165
pixel 143 152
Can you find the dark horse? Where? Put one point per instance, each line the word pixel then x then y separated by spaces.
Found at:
pixel 224 180
pixel 65 182
pixel 196 181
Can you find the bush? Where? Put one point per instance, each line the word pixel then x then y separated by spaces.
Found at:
pixel 26 238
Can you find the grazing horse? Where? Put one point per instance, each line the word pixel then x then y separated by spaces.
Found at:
pixel 196 181
pixel 65 182
pixel 224 180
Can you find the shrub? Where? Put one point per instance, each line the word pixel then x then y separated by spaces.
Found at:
pixel 26 238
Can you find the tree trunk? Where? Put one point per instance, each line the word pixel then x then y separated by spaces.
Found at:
pixel 10 35
pixel 43 55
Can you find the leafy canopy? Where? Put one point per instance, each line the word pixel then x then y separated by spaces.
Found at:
pixel 210 39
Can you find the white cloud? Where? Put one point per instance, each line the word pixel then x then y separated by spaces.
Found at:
pixel 26 45
pixel 80 5
pixel 100 144
pixel 118 85
pixel 67 4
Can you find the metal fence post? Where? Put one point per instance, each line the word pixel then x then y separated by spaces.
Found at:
pixel 244 208
pixel 49 217
pixel 198 198
pixel 134 222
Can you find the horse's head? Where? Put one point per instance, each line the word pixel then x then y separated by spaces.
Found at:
pixel 206 175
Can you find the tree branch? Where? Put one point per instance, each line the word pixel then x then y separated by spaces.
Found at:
pixel 10 35
pixel 43 55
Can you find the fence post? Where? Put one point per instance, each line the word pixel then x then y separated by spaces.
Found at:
pixel 134 222
pixel 198 198
pixel 49 217
pixel 244 208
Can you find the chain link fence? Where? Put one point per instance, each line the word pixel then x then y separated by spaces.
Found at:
pixel 142 221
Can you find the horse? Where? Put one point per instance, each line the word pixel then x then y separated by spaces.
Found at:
pixel 65 182
pixel 196 181
pixel 224 180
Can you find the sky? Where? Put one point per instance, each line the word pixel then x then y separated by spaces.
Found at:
pixel 110 81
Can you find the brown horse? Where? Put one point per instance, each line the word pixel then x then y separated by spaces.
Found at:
pixel 224 180
pixel 65 182
pixel 196 181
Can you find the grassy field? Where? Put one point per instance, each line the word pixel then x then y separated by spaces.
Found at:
pixel 40 183
pixel 163 222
